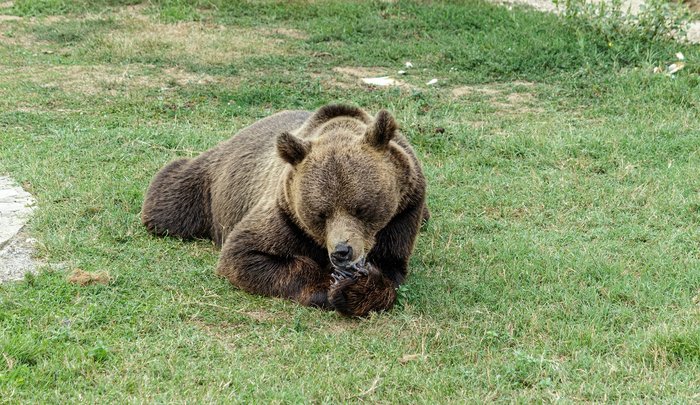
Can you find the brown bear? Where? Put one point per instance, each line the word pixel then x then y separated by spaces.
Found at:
pixel 320 208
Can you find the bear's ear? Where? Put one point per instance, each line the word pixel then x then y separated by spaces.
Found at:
pixel 382 130
pixel 292 149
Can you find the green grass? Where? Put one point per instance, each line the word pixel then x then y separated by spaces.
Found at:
pixel 561 263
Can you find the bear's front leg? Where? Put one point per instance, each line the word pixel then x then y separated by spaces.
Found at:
pixel 361 292
pixel 298 278
pixel 264 255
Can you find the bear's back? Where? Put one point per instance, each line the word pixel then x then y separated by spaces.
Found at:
pixel 245 170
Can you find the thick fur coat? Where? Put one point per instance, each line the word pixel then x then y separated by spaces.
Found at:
pixel 322 208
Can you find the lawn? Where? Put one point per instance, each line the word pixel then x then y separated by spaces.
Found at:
pixel 561 263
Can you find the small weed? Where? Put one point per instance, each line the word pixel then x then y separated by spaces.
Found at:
pixel 173 11
pixel 680 346
pixel 99 353
pixel 403 295
pixel 526 371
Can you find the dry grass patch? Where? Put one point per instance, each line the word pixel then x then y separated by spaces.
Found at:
pixel 5 40
pixel 108 79
pixel 502 97
pixel 196 42
pixel 330 82
pixel 348 77
pixel 485 90
pixel 359 72
pixel 286 32
pixel 183 78
pixel 17 32
pixel 84 278
pixel 258 315
pixel 20 38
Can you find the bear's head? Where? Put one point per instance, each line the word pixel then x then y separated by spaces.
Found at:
pixel 348 177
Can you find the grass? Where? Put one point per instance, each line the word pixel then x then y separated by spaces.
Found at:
pixel 561 263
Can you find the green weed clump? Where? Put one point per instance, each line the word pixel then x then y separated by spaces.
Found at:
pixel 654 19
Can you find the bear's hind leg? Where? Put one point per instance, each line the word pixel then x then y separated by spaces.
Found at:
pixel 177 202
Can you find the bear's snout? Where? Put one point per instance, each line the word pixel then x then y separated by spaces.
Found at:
pixel 344 241
pixel 342 255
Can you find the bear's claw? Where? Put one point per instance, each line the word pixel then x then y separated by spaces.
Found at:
pixel 339 275
pixel 358 269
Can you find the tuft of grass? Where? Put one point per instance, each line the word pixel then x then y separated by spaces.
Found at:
pixel 71 32
pixel 680 345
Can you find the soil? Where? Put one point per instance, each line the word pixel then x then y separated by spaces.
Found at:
pixel 83 278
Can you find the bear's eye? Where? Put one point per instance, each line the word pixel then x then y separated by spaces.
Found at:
pixel 360 212
pixel 321 216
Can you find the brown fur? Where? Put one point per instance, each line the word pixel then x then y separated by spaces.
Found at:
pixel 282 193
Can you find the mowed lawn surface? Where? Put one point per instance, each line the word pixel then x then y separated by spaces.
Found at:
pixel 562 261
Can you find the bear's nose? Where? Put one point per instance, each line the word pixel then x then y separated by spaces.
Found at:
pixel 342 253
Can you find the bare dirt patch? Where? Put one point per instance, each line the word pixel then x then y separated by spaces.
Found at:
pixel 348 77
pixel 330 82
pixel 502 96
pixel 184 78
pixel 84 278
pixel 4 18
pixel 693 4
pixel 4 39
pixel 359 72
pixel 471 90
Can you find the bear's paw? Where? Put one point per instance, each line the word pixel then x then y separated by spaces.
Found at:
pixel 365 291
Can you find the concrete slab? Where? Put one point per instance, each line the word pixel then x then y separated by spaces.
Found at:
pixel 16 205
